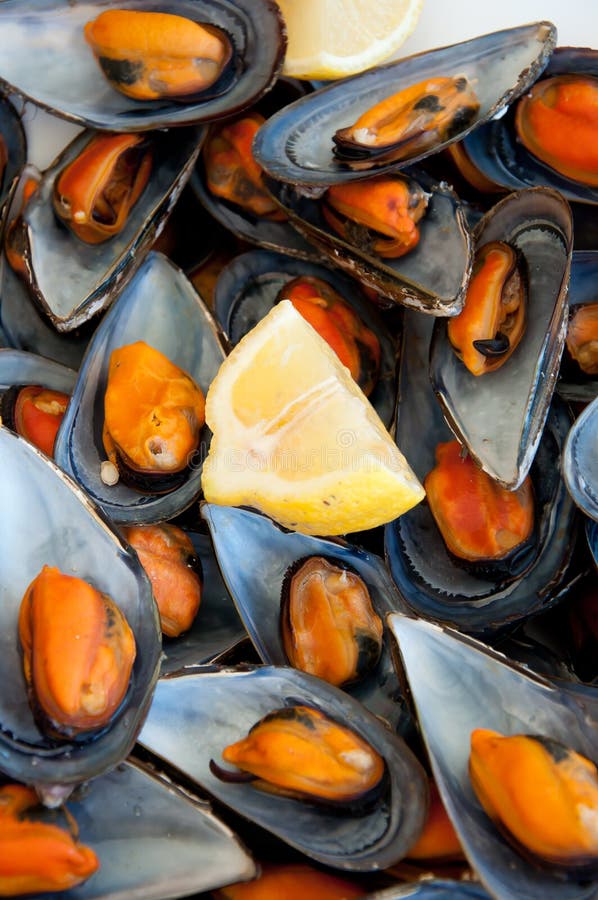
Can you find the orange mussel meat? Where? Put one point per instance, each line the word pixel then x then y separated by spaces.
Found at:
pixel 557 121
pixel 35 413
pixel 582 337
pixel 356 346
pixel 37 857
pixel 293 881
pixel 78 653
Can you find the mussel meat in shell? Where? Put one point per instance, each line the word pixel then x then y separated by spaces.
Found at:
pixel 557 121
pixel 408 123
pixel 38 857
pixel 357 346
pixel 34 412
pixel 486 527
pixel 492 322
pixel 231 170
pixel 174 570
pixel 328 624
pixel 541 794
pixel 153 415
pixel 78 654
pixel 151 55
pixel 94 194
pixel 299 752
pixel 582 337
pixel 379 215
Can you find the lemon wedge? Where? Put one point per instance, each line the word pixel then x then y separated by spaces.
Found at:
pixel 335 38
pixel 295 437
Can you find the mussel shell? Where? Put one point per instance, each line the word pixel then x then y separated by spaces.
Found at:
pixel 500 415
pixel 160 307
pixel 13 137
pixel 573 384
pixel 580 461
pixel 195 716
pixel 592 539
pixel 428 579
pixel 248 287
pixel 255 555
pixel 433 889
pixel 458 685
pixel 42 45
pixel 70 280
pixel 20 367
pixel 296 145
pixel 70 534
pixel 431 278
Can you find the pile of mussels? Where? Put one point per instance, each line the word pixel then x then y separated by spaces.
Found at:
pixel 415 706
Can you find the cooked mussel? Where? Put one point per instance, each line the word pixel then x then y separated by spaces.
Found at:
pixel 379 215
pixel 408 123
pixel 34 412
pixel 541 794
pixel 78 653
pixel 94 193
pixel 438 842
pixel 299 752
pixel 151 55
pixel 153 415
pixel 582 337
pixel 357 346
pixel 328 624
pixel 492 322
pixel 38 857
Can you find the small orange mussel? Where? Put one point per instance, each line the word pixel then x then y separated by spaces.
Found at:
pixel 329 626
pixel 38 857
pixel 582 337
pixel 492 322
pixel 153 415
pixel 231 170
pixel 356 346
pixel 151 55
pixel 294 881
pixel 96 192
pixel 35 413
pixel 480 521
pixel 557 121
pixel 299 752
pixel 379 215
pixel 78 653
pixel 408 123
pixel 171 564
pixel 541 794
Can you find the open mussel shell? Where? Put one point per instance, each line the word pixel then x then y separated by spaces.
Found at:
pixel 459 685
pixel 71 280
pixel 248 287
pixel 158 306
pixel 499 415
pixel 46 59
pixel 296 144
pixel 195 716
pixel 574 385
pixel 434 889
pixel 496 151
pixel 48 520
pixel 427 576
pixel 580 461
pixel 431 278
pixel 20 367
pixel 13 151
pixel 255 576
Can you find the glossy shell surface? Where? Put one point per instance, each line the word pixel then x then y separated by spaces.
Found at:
pixel 13 137
pixel 573 384
pixel 20 367
pixel 580 461
pixel 54 28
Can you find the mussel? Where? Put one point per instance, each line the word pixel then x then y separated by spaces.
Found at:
pixel 153 415
pixel 153 55
pixel 408 123
pixel 356 345
pixel 34 412
pixel 94 193
pixel 541 794
pixel 328 624
pixel 78 654
pixel 438 842
pixel 582 337
pixel 300 752
pixel 492 322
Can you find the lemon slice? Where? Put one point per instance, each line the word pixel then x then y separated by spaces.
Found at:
pixel 294 436
pixel 334 38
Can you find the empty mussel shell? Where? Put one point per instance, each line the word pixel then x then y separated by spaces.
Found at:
pixel 574 384
pixel 459 685
pixel 500 415
pixel 13 152
pixel 296 144
pixel 69 533
pixel 195 716
pixel 580 461
pixel 158 306
pixel 255 578
pixel 45 58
